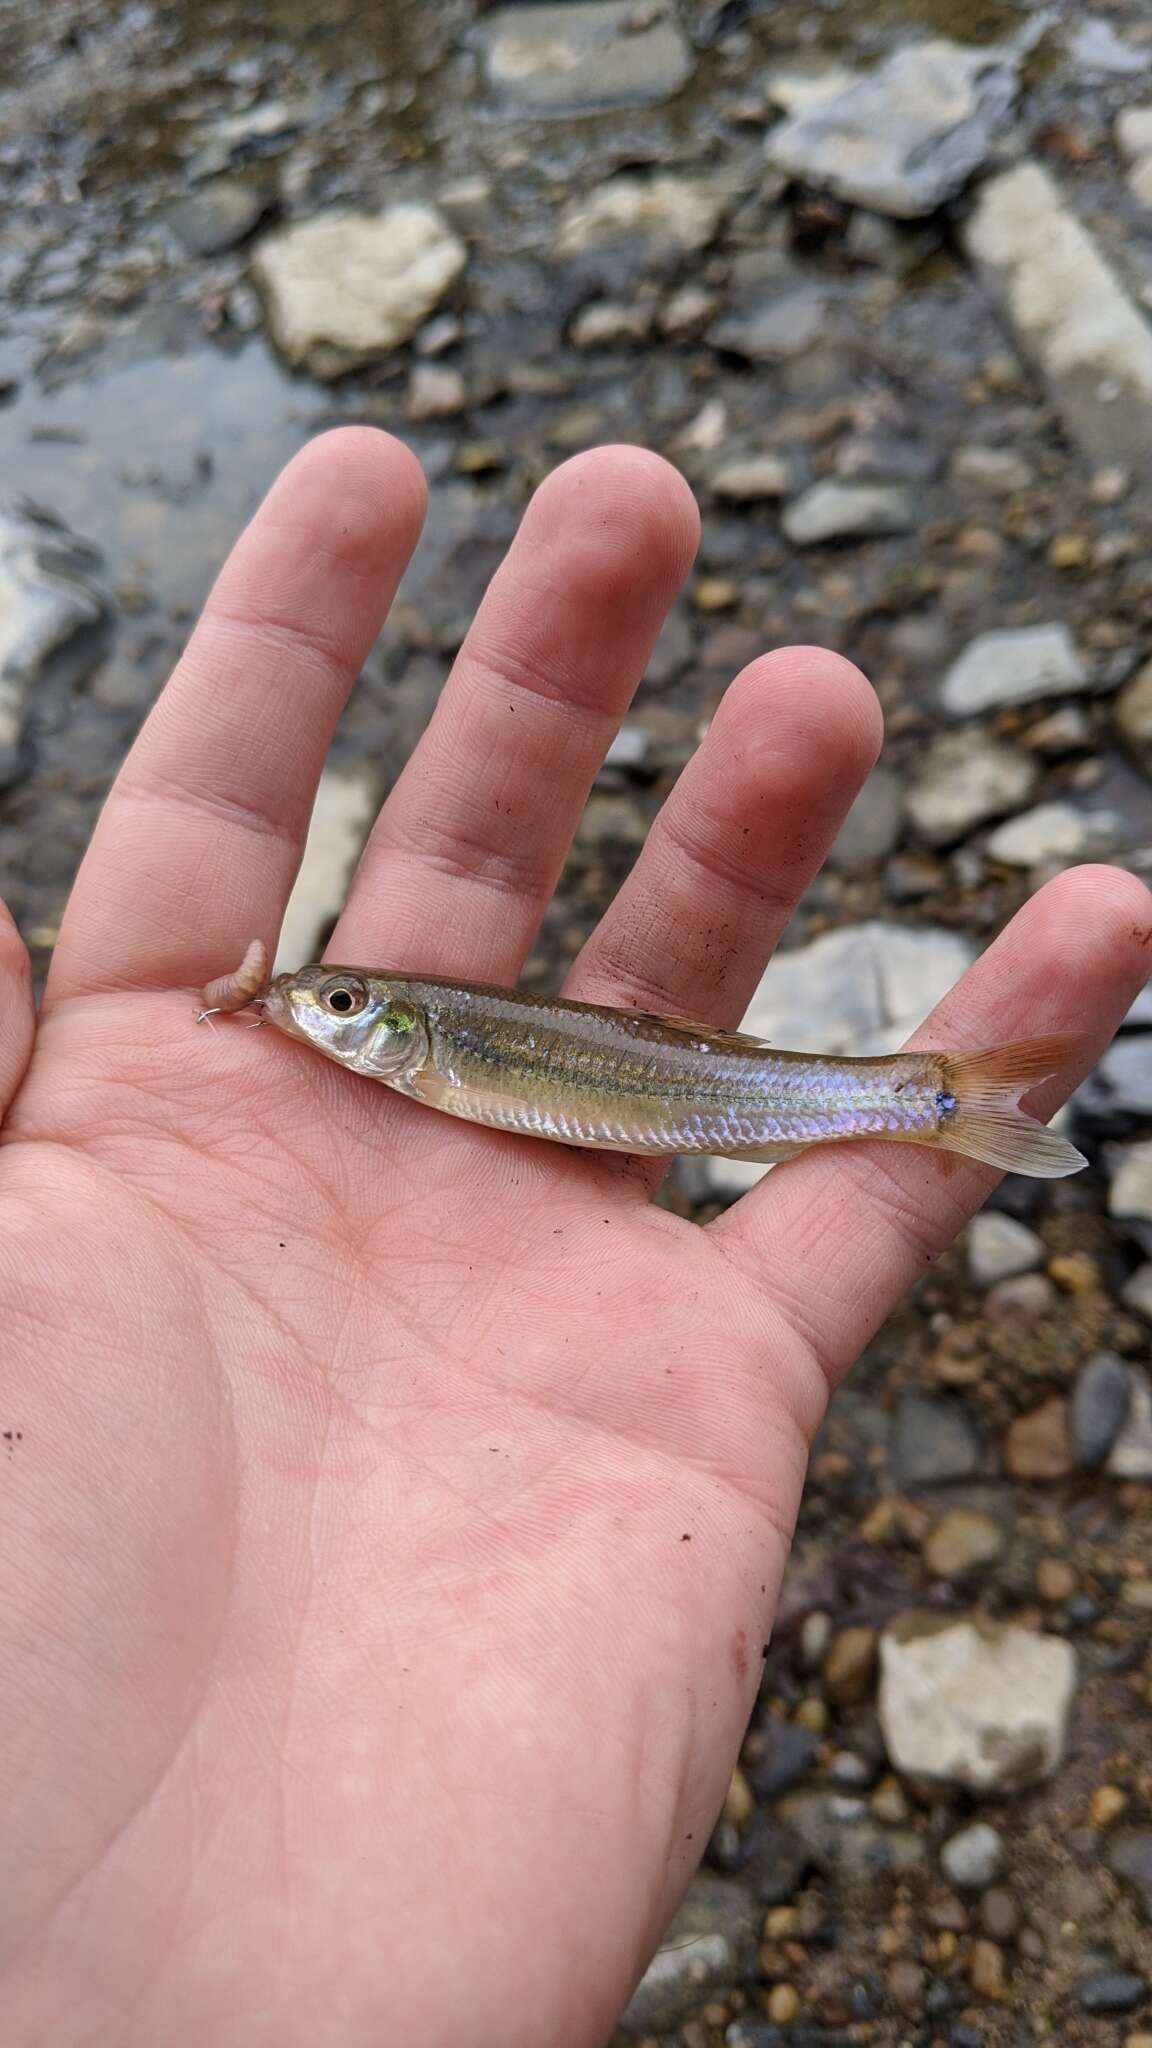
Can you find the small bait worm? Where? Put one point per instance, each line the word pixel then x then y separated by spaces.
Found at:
pixel 232 991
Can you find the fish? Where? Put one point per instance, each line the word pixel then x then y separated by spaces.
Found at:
pixel 620 1080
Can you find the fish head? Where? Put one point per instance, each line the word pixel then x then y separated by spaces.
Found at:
pixel 365 1021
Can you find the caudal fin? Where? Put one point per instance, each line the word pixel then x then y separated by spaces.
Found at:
pixel 988 1123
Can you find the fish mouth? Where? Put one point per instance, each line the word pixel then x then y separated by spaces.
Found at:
pixel 277 1006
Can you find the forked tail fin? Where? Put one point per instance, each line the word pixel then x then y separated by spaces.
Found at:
pixel 988 1123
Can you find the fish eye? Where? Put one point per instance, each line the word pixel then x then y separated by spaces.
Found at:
pixel 343 996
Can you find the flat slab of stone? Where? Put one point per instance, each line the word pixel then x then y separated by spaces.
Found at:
pixel 595 53
pixel 341 291
pixel 1069 313
pixel 906 137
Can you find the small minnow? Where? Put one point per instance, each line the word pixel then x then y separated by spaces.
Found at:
pixel 627 1081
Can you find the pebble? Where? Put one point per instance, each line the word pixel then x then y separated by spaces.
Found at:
pixel 974 1858
pixel 849 1667
pixel 933 1442
pixel 982 1708
pixel 1132 711
pixel 986 1970
pixel 999 1247
pixel 1055 1580
pixel 1029 1296
pixel 840 511
pixel 1111 1991
pixel 575 55
pixel 608 325
pixel 999 472
pixel 778 1756
pixel 965 780
pixel 1098 1406
pixel 218 216
pixel 1119 1089
pixel 815 1636
pixel 343 290
pixel 748 478
pixel 863 988
pixel 1051 834
pixel 1134 132
pixel 1136 1292
pixel 1018 665
pixel 872 827
pixel 435 392
pixel 1130 1194
pixel 1128 1854
pixel 1037 1445
pixel 962 1541
pixel 1131 1454
pixel 707 1945
pixel 999 1914
pixel 774 332
pixel 783 2004
pixel 905 1981
pixel 663 213
pixel 1108 1803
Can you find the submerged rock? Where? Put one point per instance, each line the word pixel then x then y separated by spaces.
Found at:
pixel 974 1706
pixel 51 609
pixel 343 290
pixel 587 53
pixel 909 135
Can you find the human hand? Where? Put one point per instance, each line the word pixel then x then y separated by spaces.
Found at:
pixel 393 1512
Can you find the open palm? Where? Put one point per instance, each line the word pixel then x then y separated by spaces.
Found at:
pixel 392 1512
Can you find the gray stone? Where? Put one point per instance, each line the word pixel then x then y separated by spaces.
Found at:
pixel 864 988
pixel 52 610
pixel 1120 1087
pixel 973 1858
pixel 342 817
pixel 343 290
pixel 745 479
pixel 840 1836
pixel 967 779
pixel 1130 1194
pixel 998 472
pixel 784 1755
pixel 218 216
pixel 1131 1453
pixel 1052 835
pixel 872 827
pixel 1128 1854
pixel 1136 1292
pixel 933 1442
pixel 1111 1991
pixel 706 1945
pixel 1070 314
pixel 772 333
pixel 905 137
pixel 830 510
pixel 999 1247
pixel 1017 666
pixel 1099 1404
pixel 661 213
pixel 588 53
pixel 972 1705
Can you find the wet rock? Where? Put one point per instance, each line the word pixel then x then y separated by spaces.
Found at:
pixel 748 478
pixel 707 1944
pixel 907 136
pixel 872 827
pixel 850 1666
pixel 863 988
pixel 343 290
pixel 218 216
pixel 342 816
pixel 1037 1445
pixel 772 333
pixel 1070 314
pixel 435 392
pixel 982 1708
pixel 1111 1991
pixel 1133 714
pixel 556 59
pixel 1050 834
pixel 1130 1195
pixel 933 1441
pixel 1098 1406
pixel 999 1247
pixel 961 1542
pixel 1128 1855
pixel 997 472
pixel 965 780
pixel 1016 666
pixel 1131 1454
pixel 840 511
pixel 52 611
pixel 662 213
pixel 974 1858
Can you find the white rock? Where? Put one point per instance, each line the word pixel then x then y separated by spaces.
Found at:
pixel 795 88
pixel 975 1707
pixel 436 391
pixel 1131 1453
pixel 966 779
pixel 998 471
pixel 748 477
pixel 973 1858
pixel 346 804
pixel 588 53
pixel 48 600
pixel 1134 133
pixel 863 989
pixel 1140 181
pixel 1131 1191
pixel 664 212
pixel 1070 313
pixel 830 510
pixel 1096 46
pixel 1052 832
pixel 903 138
pixel 1016 666
pixel 999 1248
pixel 1136 1292
pixel 344 289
